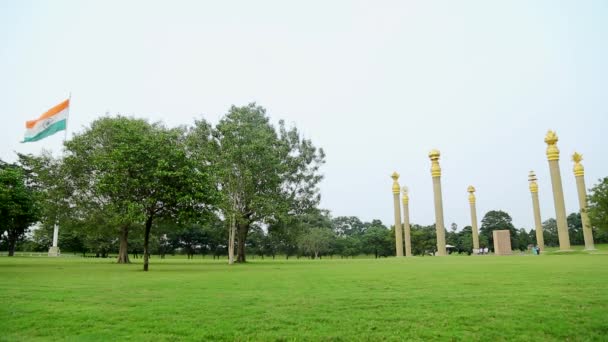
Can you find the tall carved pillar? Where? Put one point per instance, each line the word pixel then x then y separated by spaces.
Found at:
pixel 398 231
pixel 474 230
pixel 579 174
pixel 406 221
pixel 558 192
pixel 439 225
pixel 540 240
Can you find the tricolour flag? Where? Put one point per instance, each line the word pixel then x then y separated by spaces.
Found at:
pixel 49 123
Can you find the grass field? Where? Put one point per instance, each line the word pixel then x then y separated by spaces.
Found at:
pixel 528 298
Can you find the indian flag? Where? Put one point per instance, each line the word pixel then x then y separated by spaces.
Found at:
pixel 49 123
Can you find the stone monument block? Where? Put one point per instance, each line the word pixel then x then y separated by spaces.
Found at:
pixel 54 252
pixel 502 242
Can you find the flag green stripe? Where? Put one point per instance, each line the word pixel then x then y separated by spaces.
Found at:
pixel 52 129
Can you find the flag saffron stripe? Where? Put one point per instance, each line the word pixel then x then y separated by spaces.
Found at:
pixel 58 108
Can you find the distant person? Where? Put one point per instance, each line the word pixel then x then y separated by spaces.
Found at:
pixel 537 250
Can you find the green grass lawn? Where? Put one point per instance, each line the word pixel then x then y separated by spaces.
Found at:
pixel 528 298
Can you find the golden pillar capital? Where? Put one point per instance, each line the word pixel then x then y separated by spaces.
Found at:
pixel 395 177
pixel 405 198
pixel 532 179
pixel 579 170
pixel 435 168
pixel 552 150
pixel 471 190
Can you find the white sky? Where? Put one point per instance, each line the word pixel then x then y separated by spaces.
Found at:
pixel 377 84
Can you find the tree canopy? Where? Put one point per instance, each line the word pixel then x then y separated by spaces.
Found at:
pixel 598 205
pixel 264 173
pixel 130 172
pixel 19 204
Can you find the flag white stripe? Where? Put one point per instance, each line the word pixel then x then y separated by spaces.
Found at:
pixel 45 123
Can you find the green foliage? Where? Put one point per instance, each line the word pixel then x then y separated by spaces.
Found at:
pixel 424 239
pixel 265 174
pixel 497 220
pixel 378 240
pixel 316 242
pixel 575 229
pixel 598 205
pixel 19 204
pixel 130 172
pixel 550 232
pixel 348 226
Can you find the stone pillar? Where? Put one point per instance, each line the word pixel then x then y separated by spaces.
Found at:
pixel 54 250
pixel 398 231
pixel 540 240
pixel 558 192
pixel 474 230
pixel 439 225
pixel 406 221
pixel 579 174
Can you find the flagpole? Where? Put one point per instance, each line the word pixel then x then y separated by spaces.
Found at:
pixel 54 250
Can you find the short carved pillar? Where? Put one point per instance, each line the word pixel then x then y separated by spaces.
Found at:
pixel 540 240
pixel 406 221
pixel 397 207
pixel 54 250
pixel 558 192
pixel 439 225
pixel 579 174
pixel 474 230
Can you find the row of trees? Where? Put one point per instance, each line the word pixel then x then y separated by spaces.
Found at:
pixel 125 176
pixel 313 235
pixel 127 186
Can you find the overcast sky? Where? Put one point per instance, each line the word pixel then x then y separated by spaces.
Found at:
pixel 377 84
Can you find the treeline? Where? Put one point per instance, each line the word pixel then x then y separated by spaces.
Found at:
pixel 314 235
pixel 130 187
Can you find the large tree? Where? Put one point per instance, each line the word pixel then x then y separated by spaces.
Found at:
pixel 550 236
pixel 316 241
pixel 497 220
pixel 378 239
pixel 134 172
pixel 575 229
pixel 348 226
pixel 598 205
pixel 19 204
pixel 265 173
pixel 424 239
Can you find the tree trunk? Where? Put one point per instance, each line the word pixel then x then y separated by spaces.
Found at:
pixel 146 241
pixel 231 238
pixel 242 230
pixel 12 241
pixel 123 251
pixel 11 247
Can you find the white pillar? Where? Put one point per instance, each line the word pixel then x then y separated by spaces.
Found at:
pixel 54 250
pixel 55 235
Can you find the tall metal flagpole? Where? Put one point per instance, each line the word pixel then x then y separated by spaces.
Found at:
pixel 54 250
